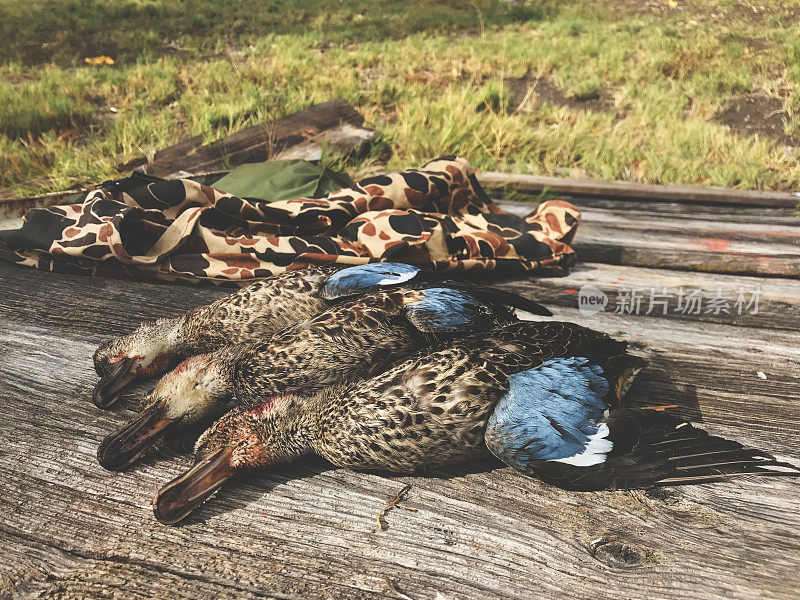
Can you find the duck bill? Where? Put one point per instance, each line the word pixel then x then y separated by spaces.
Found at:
pixel 121 448
pixel 107 390
pixel 183 495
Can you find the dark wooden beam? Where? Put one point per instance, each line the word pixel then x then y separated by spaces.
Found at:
pixel 260 142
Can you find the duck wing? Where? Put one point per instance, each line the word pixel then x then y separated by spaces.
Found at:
pixel 445 310
pixel 362 279
pixel 371 277
pixel 555 423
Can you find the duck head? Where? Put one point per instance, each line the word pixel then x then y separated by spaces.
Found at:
pixel 201 387
pixel 149 350
pixel 241 441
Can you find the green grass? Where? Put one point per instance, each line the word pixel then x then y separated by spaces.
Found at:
pixel 431 77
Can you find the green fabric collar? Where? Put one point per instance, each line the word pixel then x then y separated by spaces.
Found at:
pixel 282 180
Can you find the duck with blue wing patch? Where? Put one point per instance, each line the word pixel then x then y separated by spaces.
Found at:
pixel 376 276
pixel 257 312
pixel 556 423
pixel 354 338
pixel 367 278
pixel 543 397
pixel 443 310
pixel 552 412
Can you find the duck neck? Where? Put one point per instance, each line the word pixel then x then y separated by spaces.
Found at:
pixel 226 363
pixel 187 337
pixel 158 345
pixel 280 440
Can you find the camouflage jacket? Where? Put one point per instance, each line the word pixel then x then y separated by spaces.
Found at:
pixel 179 229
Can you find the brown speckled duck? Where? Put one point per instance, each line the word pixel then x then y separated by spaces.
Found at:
pixel 258 310
pixel 352 339
pixel 542 397
pixel 255 312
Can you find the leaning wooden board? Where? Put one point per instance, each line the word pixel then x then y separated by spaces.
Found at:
pixel 71 530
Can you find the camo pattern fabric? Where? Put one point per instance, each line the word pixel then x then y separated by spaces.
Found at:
pixel 436 216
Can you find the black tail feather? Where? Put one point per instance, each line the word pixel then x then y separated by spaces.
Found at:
pixel 669 451
pixel 657 449
pixel 497 296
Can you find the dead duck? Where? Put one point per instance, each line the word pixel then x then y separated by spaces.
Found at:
pixel 260 309
pixel 255 312
pixel 350 340
pixel 542 397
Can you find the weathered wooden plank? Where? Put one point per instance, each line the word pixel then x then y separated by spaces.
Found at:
pixel 686 241
pixel 34 570
pixel 687 194
pixel 334 125
pixel 94 304
pixel 720 214
pixel 26 292
pixel 310 531
pixel 630 287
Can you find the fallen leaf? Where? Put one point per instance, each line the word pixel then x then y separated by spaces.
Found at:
pixel 97 61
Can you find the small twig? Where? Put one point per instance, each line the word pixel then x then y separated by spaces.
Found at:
pixel 398 497
pixel 661 408
pixel 394 589
pixel 528 93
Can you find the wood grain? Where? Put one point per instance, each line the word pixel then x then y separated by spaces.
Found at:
pixel 260 142
pixel 643 192
pixel 778 306
pixel 748 245
pixel 310 531
pixel 481 530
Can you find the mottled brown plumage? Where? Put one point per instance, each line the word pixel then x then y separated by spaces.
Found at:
pixel 353 339
pixel 257 311
pixel 433 410
pixel 427 411
pixel 260 310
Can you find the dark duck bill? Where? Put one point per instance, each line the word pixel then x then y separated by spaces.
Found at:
pixel 121 448
pixel 114 378
pixel 183 495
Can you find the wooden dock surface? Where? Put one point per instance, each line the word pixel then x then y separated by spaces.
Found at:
pixel 69 529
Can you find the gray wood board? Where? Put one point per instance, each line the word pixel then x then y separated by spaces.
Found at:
pixel 765 242
pixel 71 530
pixel 641 192
pixel 724 299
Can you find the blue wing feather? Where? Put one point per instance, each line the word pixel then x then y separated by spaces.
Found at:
pixel 552 412
pixel 364 278
pixel 447 310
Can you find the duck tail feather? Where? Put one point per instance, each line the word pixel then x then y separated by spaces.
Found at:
pixel 653 449
pixel 668 451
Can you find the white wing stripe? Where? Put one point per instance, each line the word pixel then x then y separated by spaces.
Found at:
pixel 395 279
pixel 594 452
